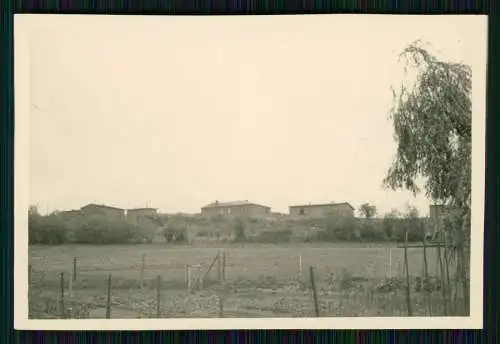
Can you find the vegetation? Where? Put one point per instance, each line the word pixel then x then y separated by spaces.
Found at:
pixel 367 210
pixel 432 121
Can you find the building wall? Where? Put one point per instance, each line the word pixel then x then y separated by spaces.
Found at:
pixel 133 215
pixel 110 213
pixel 321 211
pixel 247 210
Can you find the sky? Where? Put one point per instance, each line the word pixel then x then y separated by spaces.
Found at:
pixel 177 112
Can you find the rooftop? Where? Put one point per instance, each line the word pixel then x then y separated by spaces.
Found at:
pixel 101 206
pixel 322 205
pixel 139 209
pixel 217 204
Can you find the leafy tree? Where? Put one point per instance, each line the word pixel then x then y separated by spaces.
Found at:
pixel 389 223
pixel 239 230
pixel 432 121
pixel 367 210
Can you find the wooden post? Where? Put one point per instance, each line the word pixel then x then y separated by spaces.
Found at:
pixel 465 284
pixel 29 274
pixel 209 269
pixel 442 278
pixel 300 266
pixel 313 288
pixel 219 268
pixel 188 277
pixel 408 294
pixel 74 269
pixel 447 272
pixel 426 281
pixel 158 302
pixel 221 307
pixel 63 308
pixel 224 266
pixel 143 268
pixel 70 287
pixel 108 301
pixel 390 263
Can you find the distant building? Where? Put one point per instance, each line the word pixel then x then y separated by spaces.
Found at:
pixel 235 209
pixel 70 213
pixel 343 209
pixel 103 210
pixel 135 214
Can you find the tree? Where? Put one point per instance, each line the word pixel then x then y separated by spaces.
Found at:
pixel 432 121
pixel 367 210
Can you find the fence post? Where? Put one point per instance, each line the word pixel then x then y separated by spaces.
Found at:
pixel 221 307
pixel 63 312
pixel 143 268
pixel 158 302
pixel 442 278
pixel 313 288
pixel 188 277
pixel 74 269
pixel 300 266
pixel 223 266
pixel 219 268
pixel 408 294
pixel 108 301
pixel 70 287
pixel 426 275
pixel 390 262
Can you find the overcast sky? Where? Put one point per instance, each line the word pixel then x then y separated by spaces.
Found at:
pixel 179 112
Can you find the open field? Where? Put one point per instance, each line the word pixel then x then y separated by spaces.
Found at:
pixel 260 280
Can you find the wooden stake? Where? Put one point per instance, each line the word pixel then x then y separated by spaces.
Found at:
pixel 74 269
pixel 158 299
pixel 313 289
pixel 70 287
pixel 300 266
pixel 188 277
pixel 426 281
pixel 221 307
pixel 209 268
pixel 390 262
pixel 408 293
pixel 219 268
pixel 442 278
pixel 63 308
pixel 465 283
pixel 224 266
pixel 108 301
pixel 143 268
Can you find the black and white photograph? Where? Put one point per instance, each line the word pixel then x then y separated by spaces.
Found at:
pixel 312 171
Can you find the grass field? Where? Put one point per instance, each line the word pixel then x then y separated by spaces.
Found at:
pixel 260 280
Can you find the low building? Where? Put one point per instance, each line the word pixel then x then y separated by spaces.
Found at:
pixel 103 210
pixel 343 209
pixel 138 213
pixel 235 209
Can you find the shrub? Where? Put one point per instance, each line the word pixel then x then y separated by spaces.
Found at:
pixel 100 230
pixel 279 236
pixel 47 230
pixel 239 230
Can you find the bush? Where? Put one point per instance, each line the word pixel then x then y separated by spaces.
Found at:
pixel 239 230
pixel 47 230
pixel 274 237
pixel 100 230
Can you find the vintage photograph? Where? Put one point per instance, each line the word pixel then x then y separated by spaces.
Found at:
pixel 274 167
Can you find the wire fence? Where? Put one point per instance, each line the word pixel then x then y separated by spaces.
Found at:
pixel 217 288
